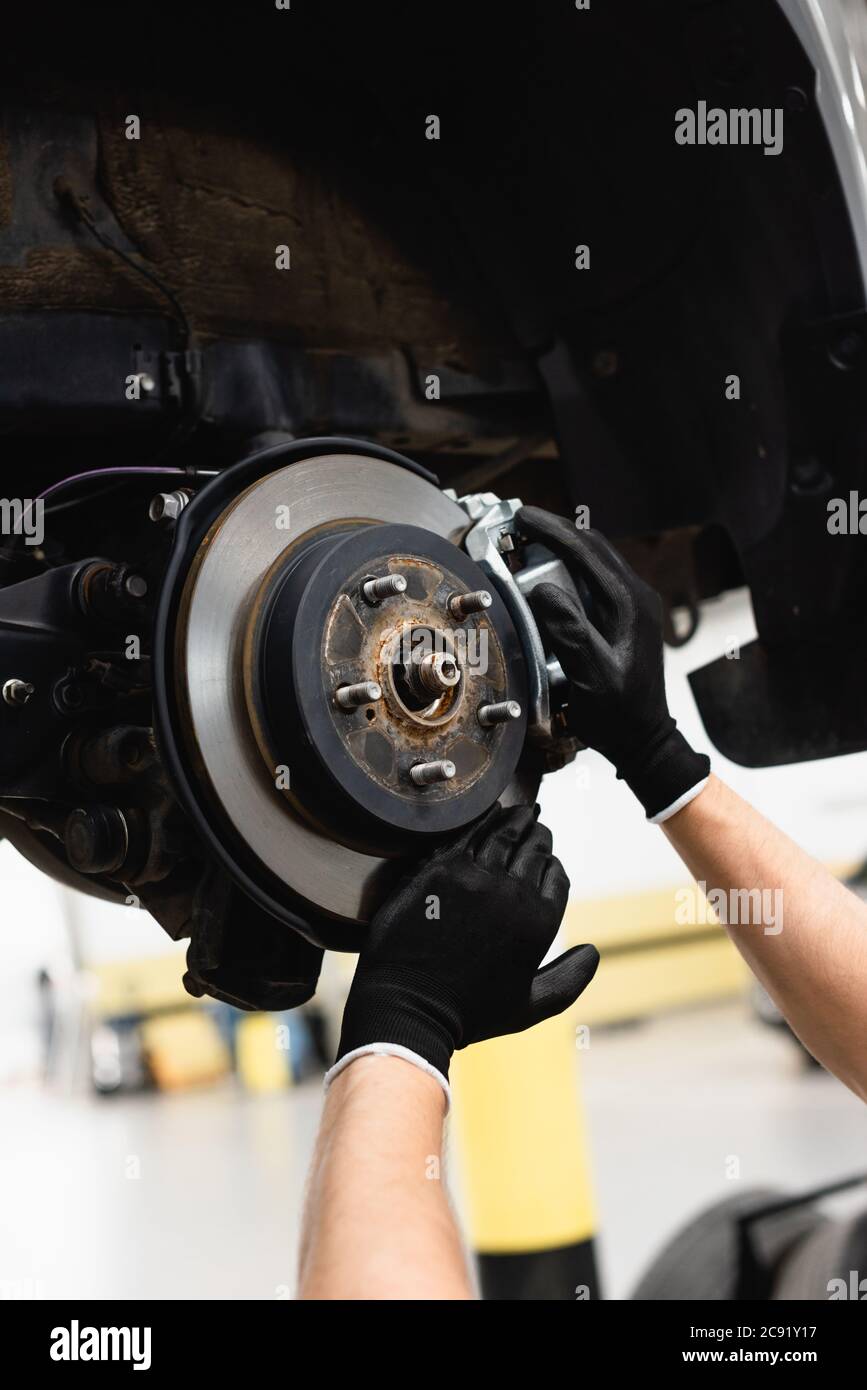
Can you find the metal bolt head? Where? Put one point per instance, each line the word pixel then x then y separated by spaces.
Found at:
pixel 17 692
pixel 135 585
pixel 167 506
pixel 364 693
pixel 375 590
pixel 501 713
pixel 425 774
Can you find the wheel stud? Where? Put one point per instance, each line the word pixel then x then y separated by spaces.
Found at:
pixel 375 590
pixel 500 713
pixel 365 693
pixel 423 774
pixel 462 605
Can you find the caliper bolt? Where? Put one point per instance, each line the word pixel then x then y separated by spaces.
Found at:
pixel 351 696
pixel 167 506
pixel 462 605
pixel 500 713
pixel 375 590
pixel 423 774
pixel 17 692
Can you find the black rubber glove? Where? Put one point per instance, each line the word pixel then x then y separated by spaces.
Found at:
pixel 613 660
pixel 453 956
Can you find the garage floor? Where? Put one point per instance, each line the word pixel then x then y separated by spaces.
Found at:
pixel 197 1195
pixel 692 1098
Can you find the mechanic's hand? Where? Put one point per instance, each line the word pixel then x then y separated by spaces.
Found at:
pixel 453 956
pixel 614 663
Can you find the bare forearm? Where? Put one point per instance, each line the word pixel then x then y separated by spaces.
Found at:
pixel 378 1224
pixel 809 946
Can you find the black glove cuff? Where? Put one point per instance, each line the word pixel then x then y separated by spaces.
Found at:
pixel 664 770
pixel 393 1004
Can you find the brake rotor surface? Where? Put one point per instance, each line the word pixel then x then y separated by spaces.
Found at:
pixel 339 497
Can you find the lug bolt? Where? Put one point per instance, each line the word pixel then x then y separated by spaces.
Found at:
pixel 500 713
pixel 423 774
pixel 462 605
pixel 351 696
pixel 375 590
pixel 17 692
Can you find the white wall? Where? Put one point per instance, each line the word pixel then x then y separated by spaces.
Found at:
pixel 599 829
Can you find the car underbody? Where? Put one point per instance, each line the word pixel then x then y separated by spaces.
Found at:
pixel 233 285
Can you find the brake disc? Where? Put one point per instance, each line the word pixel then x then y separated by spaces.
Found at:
pixel 317 796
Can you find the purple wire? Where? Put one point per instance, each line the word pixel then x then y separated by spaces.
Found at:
pixel 102 473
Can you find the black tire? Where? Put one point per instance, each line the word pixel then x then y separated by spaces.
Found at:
pixel 835 1252
pixel 701 1262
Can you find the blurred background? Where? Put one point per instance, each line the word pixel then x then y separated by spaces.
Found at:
pixel 155 1146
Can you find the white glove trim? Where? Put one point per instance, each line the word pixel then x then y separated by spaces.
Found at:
pixel 678 805
pixel 384 1049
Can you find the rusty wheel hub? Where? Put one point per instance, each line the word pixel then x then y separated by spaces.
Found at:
pixel 356 646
